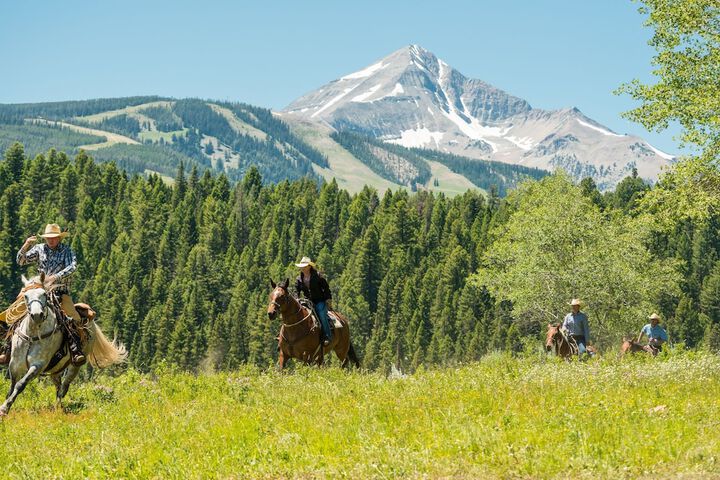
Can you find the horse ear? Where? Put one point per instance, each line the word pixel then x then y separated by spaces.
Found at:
pixel 272 284
pixel 24 280
pixel 42 277
pixel 549 325
pixel 286 283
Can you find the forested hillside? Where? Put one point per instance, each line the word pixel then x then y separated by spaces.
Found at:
pixel 156 134
pixel 181 273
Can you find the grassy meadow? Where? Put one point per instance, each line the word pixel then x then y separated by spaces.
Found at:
pixel 499 418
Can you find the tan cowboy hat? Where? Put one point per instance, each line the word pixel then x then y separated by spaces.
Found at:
pixel 304 262
pixel 654 316
pixel 53 230
pixel 575 301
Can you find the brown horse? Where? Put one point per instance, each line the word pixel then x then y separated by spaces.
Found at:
pixel 629 345
pixel 300 335
pixel 561 344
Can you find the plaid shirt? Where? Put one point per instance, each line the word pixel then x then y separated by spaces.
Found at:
pixel 60 262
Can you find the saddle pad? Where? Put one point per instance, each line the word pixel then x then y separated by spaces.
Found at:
pixel 337 325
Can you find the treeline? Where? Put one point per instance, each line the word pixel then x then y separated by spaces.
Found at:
pixel 181 273
pixel 408 166
pixel 122 124
pixel 165 120
pixel 18 112
pixel 405 169
pixel 483 173
pixel 41 138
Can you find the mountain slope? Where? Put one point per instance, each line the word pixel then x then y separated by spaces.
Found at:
pixel 414 99
pixel 156 134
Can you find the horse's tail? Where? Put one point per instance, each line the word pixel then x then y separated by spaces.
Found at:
pixel 104 352
pixel 353 356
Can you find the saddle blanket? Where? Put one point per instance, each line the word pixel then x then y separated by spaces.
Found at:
pixel 335 321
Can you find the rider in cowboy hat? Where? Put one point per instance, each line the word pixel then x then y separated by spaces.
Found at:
pixel 576 324
pixel 58 262
pixel 655 333
pixel 316 288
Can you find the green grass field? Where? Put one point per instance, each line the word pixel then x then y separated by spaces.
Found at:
pixel 500 418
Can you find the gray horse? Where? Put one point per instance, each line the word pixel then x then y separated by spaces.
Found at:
pixel 39 336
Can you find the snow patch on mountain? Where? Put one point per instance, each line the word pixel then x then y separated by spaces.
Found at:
pixel 366 72
pixel 334 100
pixel 364 96
pixel 419 137
pixel 598 129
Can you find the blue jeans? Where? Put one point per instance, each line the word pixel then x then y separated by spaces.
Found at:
pixel 321 310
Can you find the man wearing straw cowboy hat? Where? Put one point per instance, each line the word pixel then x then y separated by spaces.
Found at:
pixel 58 262
pixel 316 288
pixel 655 333
pixel 576 324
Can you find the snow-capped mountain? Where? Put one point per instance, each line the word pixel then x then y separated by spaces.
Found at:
pixel 414 99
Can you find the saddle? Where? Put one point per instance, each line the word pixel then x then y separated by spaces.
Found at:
pixel 335 323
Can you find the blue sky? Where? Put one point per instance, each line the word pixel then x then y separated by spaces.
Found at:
pixel 554 53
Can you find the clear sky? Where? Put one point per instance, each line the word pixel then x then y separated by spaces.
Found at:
pixel 552 53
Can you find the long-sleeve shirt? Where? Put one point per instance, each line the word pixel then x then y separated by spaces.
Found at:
pixel 316 288
pixel 657 332
pixel 60 261
pixel 577 324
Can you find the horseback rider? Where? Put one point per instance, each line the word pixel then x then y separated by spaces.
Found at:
pixel 316 288
pixel 655 333
pixel 576 325
pixel 58 262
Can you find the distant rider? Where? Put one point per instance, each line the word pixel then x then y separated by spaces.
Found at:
pixel 655 333
pixel 576 325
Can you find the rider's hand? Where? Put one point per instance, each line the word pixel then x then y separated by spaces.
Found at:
pixel 50 279
pixel 31 240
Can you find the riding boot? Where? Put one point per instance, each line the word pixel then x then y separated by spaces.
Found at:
pixel 77 357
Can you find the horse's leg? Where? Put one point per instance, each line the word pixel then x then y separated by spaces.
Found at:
pixel 282 360
pixel 18 387
pixel 56 379
pixel 70 373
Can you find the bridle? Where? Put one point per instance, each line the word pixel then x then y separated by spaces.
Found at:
pixel 299 311
pixel 44 306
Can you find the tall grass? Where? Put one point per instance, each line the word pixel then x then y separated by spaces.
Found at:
pixel 501 417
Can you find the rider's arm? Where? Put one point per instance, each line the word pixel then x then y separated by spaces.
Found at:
pixel 325 288
pixel 298 287
pixel 71 265
pixel 29 256
pixel 586 330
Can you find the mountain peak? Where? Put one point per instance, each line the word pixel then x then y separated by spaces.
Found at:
pixel 413 98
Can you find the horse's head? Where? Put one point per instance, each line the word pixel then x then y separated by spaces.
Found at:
pixel 279 298
pixel 35 295
pixel 552 332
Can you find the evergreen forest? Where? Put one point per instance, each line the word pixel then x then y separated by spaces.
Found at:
pixel 180 271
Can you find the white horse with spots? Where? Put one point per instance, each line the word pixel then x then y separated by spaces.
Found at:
pixel 37 339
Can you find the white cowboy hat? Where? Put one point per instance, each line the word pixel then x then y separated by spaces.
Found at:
pixel 53 230
pixel 575 301
pixel 654 316
pixel 304 262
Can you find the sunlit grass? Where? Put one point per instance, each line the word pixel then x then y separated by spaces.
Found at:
pixel 502 417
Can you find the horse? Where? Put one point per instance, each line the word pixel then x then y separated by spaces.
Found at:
pixel 563 345
pixel 629 345
pixel 37 339
pixel 299 336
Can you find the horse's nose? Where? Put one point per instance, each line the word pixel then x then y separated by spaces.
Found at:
pixel 271 315
pixel 548 348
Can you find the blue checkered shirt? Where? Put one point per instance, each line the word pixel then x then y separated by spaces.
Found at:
pixel 60 262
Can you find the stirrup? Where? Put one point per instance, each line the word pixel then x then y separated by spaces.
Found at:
pixel 78 359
